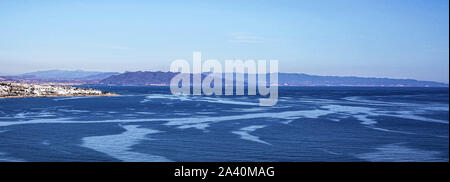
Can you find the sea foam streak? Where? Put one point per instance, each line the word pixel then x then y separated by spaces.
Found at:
pixel 400 153
pixel 245 133
pixel 360 113
pixel 119 146
pixel 5 158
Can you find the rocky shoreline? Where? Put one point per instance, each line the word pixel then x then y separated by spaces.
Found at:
pixel 21 90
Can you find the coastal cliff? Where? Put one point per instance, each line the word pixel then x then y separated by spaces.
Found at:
pixel 14 90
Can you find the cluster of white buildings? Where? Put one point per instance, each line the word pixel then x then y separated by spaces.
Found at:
pixel 21 89
pixel 3 89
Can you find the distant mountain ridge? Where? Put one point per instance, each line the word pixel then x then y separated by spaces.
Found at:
pixel 142 78
pixel 284 79
pixel 68 75
pixel 314 80
pixel 139 78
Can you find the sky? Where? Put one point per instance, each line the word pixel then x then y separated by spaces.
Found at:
pixel 369 38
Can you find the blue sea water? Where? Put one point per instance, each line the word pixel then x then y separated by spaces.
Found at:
pixel 307 124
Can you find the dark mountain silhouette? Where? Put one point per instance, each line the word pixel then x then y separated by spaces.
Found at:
pixel 284 79
pixel 313 80
pixel 139 78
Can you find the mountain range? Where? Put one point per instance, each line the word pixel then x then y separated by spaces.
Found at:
pixel 142 78
pixel 284 79
pixel 69 75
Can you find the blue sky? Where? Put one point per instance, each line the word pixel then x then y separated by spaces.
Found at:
pixel 379 38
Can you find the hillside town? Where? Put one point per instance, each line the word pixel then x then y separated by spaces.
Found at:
pixel 11 90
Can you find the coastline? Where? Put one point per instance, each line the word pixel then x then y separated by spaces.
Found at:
pixel 74 95
pixel 23 90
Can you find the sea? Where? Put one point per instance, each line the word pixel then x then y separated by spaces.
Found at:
pixel 149 124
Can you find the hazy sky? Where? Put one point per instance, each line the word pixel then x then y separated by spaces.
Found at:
pixel 379 38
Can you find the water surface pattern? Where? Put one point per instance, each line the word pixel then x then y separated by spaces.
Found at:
pixel 308 124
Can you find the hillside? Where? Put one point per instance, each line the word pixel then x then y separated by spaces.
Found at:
pixel 139 78
pixel 285 79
